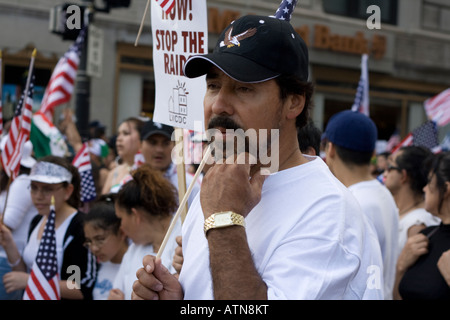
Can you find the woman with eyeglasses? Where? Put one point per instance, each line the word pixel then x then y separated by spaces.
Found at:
pixel 55 177
pixel 106 241
pixel 145 206
pixel 423 266
pixel 406 177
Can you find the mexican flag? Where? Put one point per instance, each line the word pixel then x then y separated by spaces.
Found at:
pixel 46 138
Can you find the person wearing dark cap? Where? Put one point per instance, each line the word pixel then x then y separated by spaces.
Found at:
pixel 351 138
pixel 156 148
pixel 252 234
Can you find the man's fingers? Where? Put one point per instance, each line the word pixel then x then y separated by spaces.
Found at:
pixel 147 286
pixel 149 263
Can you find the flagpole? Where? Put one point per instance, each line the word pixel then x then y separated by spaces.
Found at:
pixel 27 87
pixel 30 72
pixel 142 23
pixel 184 201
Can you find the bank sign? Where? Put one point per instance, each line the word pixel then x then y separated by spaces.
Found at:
pixel 176 36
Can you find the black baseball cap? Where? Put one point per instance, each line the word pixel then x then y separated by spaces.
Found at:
pixel 151 128
pixel 255 49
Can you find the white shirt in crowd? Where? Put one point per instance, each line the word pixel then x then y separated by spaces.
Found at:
pixel 105 277
pixel 308 238
pixel 380 208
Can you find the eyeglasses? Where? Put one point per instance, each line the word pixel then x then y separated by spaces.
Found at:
pixel 390 167
pixel 46 190
pixel 98 242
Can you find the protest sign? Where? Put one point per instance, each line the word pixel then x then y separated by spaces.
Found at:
pixel 176 36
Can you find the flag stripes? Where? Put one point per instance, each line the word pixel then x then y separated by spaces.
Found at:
pixel 166 5
pixel 62 82
pixel 18 134
pixel 438 108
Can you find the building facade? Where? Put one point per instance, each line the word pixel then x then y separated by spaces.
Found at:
pixel 408 47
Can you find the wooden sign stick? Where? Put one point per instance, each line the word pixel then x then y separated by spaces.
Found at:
pixel 181 170
pixel 184 201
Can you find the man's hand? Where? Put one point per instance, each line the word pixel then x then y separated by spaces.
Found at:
pixel 231 187
pixel 155 282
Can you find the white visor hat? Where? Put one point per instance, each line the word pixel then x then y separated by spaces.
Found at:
pixel 51 173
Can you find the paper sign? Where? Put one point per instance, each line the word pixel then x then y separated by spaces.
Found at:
pixel 176 37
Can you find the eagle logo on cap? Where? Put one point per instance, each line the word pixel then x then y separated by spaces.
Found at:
pixel 231 41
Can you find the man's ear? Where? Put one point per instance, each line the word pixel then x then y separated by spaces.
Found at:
pixel 330 150
pixel 296 104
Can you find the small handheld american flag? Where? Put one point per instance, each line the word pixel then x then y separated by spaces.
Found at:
pixel 62 82
pixel 43 282
pixel 82 162
pixel 19 133
pixel 286 9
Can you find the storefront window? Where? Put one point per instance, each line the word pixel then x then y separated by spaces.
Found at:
pixel 358 8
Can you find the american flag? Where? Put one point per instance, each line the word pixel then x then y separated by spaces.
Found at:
pixel 43 282
pixel 18 134
pixel 285 10
pixel 426 136
pixel 167 5
pixel 438 108
pixel 61 84
pixel 82 162
pixel 361 103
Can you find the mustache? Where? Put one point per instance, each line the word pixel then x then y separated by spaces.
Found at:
pixel 223 122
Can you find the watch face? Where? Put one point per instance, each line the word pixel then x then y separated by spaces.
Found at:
pixel 221 220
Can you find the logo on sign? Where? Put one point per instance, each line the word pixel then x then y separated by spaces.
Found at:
pixel 178 106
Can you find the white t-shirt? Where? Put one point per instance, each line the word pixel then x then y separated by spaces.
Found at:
pixel 308 238
pixel 415 217
pixel 380 208
pixel 132 261
pixel 19 212
pixel 105 278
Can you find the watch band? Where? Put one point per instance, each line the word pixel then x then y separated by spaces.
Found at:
pixel 223 220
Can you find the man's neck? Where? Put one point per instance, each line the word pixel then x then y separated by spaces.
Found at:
pixel 350 175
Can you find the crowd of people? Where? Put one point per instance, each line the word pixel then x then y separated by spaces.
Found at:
pixel 324 225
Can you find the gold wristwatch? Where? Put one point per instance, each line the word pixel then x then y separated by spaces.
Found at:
pixel 222 220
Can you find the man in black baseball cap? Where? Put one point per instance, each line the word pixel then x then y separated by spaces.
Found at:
pixel 294 234
pixel 156 148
